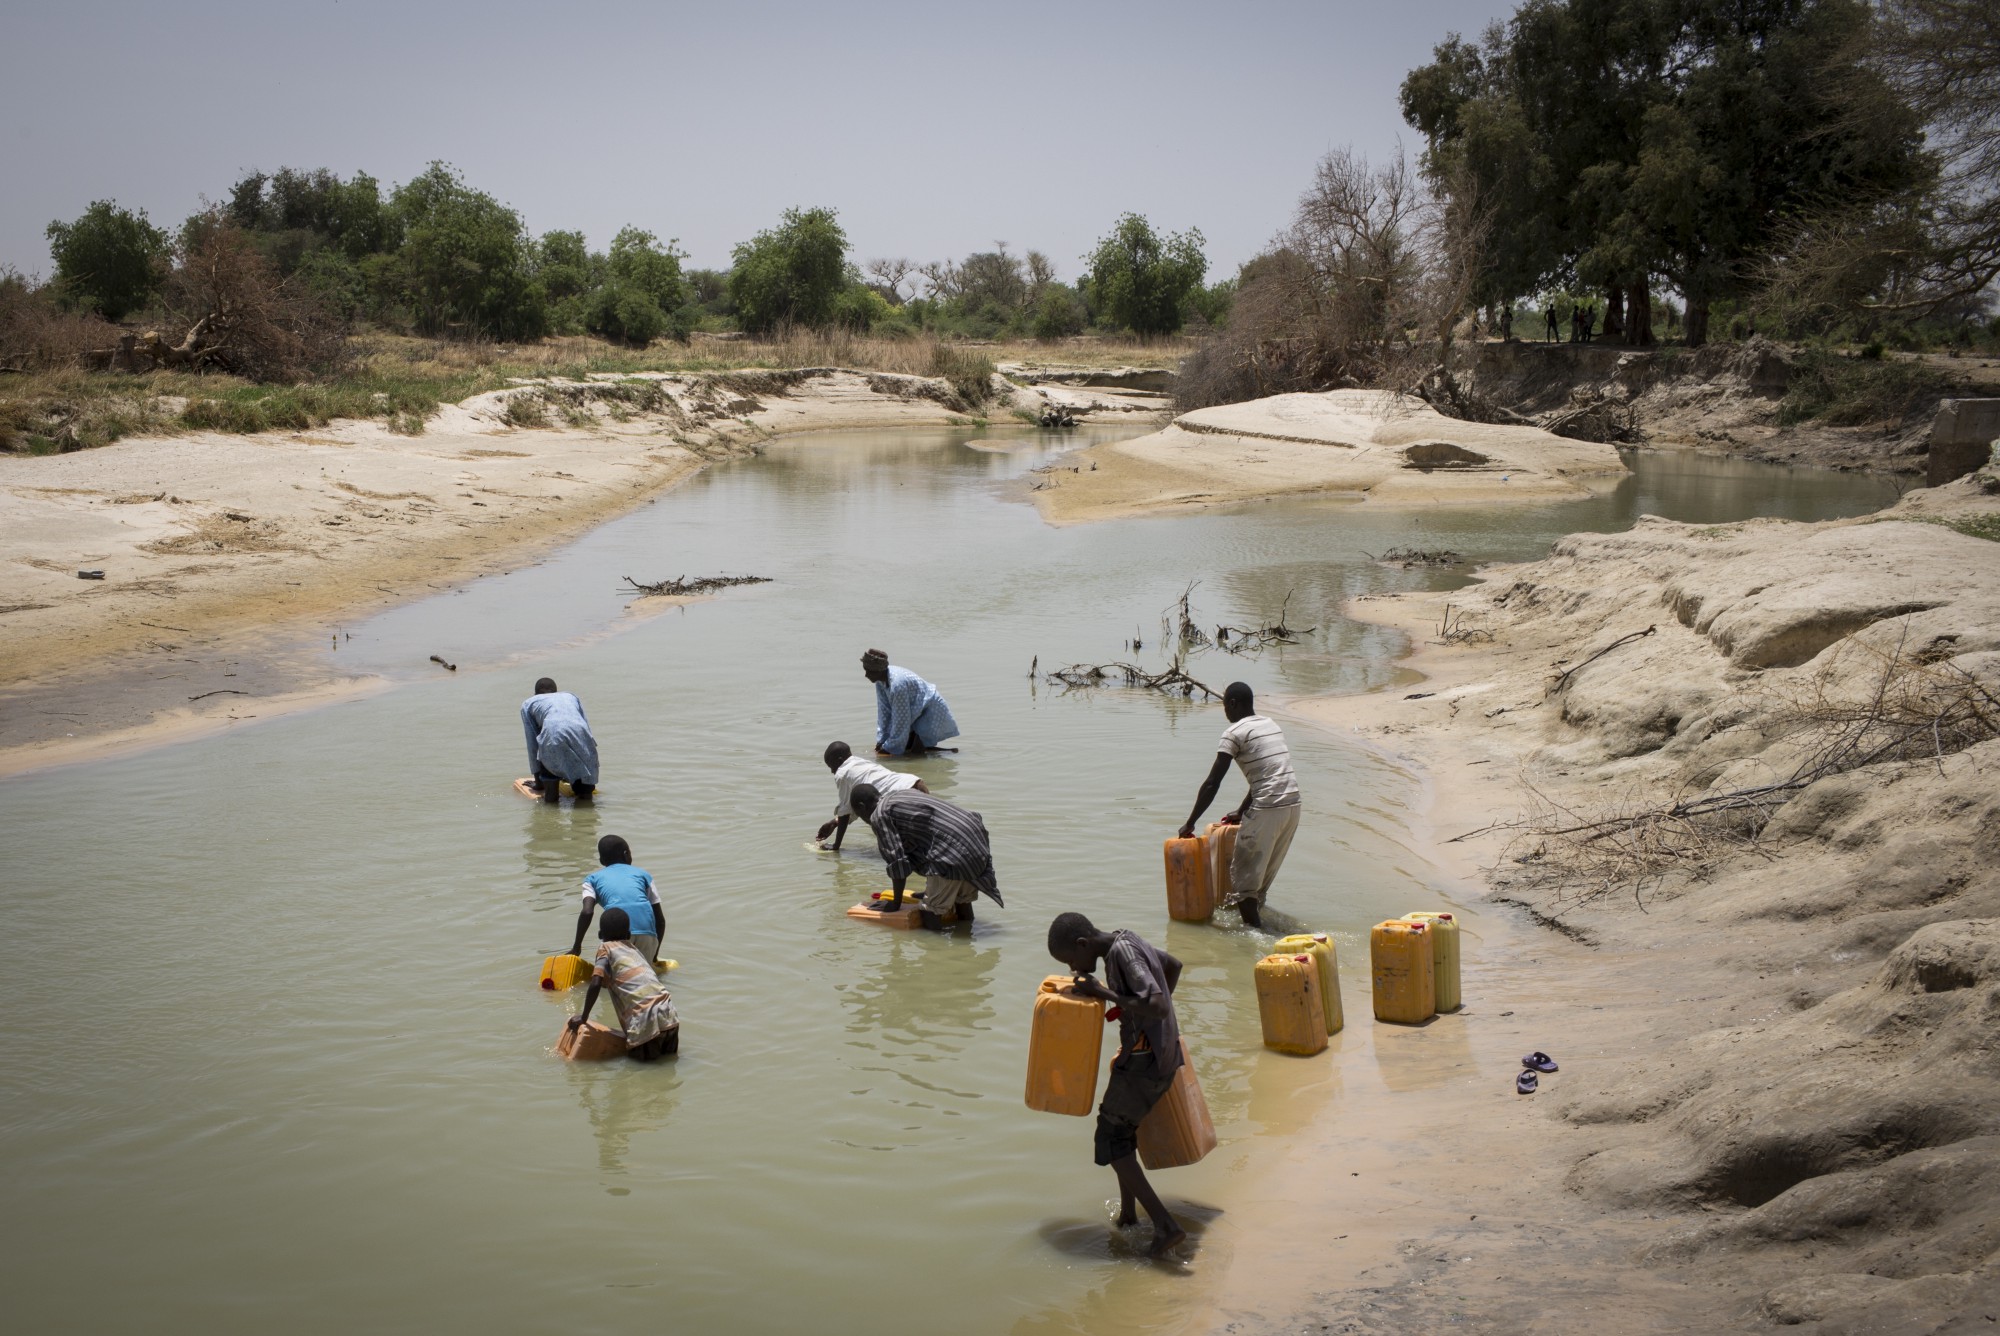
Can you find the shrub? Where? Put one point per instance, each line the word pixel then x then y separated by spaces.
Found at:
pixel 1059 314
pixel 625 313
pixel 37 334
pixel 970 374
pixel 109 261
pixel 1851 392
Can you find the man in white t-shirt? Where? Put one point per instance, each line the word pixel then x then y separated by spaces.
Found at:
pixel 849 770
pixel 1269 815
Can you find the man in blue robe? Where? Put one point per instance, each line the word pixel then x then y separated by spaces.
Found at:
pixel 560 744
pixel 910 715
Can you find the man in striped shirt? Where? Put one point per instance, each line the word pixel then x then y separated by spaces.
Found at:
pixel 917 832
pixel 1269 815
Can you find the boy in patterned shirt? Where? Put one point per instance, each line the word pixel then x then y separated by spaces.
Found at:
pixel 645 1008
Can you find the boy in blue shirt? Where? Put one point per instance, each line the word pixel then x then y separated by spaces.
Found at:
pixel 619 885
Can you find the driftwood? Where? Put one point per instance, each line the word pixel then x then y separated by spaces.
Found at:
pixel 1172 680
pixel 1562 679
pixel 683 585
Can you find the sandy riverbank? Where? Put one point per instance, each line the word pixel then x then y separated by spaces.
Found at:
pixel 225 555
pixel 1364 446
pixel 1780 1100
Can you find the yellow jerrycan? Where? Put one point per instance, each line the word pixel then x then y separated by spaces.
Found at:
pixel 1190 893
pixel 1177 1130
pixel 1221 848
pixel 1320 947
pixel 1405 972
pixel 906 917
pixel 1444 955
pixel 1065 1041
pixel 591 1042
pixel 1288 1004
pixel 562 973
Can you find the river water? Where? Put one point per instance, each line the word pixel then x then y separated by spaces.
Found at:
pixel 274 1055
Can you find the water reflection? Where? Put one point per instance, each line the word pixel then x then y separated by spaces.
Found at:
pixel 622 1100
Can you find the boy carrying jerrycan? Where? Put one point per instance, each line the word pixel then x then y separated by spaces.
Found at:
pixel 1139 981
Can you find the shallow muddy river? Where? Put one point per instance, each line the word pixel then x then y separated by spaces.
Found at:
pixel 275 1059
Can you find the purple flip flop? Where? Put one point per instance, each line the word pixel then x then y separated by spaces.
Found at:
pixel 1541 1062
pixel 1525 1083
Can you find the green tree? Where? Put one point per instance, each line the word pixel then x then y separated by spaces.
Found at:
pixel 110 260
pixel 793 272
pixel 1140 280
pixel 465 260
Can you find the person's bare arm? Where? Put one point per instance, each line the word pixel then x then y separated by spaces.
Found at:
pixel 1209 788
pixel 577 1021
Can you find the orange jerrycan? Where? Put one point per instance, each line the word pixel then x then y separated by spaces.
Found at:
pixel 1177 1130
pixel 591 1042
pixel 1288 1004
pixel 562 973
pixel 1320 947
pixel 1444 955
pixel 1064 1043
pixel 1405 972
pixel 1221 848
pixel 1190 893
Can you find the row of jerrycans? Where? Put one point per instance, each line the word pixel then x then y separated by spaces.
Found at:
pixel 1198 873
pixel 1414 964
pixel 1065 1044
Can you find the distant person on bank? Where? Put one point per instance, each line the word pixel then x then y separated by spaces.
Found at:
pixel 1269 815
pixel 1139 981
pixel 947 844
pixel 848 771
pixel 645 1009
pixel 619 885
pixel 910 715
pixel 560 743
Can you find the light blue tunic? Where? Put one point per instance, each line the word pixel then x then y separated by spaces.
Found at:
pixel 559 737
pixel 908 707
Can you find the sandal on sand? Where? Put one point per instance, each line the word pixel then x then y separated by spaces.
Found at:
pixel 1525 1083
pixel 1541 1062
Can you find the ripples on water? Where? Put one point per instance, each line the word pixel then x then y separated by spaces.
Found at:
pixel 275 1055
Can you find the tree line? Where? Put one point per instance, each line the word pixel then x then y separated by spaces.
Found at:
pixel 1818 163
pixel 434 256
pixel 1814 168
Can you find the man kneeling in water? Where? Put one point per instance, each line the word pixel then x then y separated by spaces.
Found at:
pixel 1139 981
pixel 645 1008
pixel 919 833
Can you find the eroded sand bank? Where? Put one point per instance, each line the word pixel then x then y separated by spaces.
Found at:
pixel 1780 1100
pixel 1366 446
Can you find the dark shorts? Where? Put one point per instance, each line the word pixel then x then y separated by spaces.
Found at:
pixel 1135 1087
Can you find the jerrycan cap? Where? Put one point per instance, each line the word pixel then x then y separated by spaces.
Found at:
pixel 1319 937
pixel 1303 960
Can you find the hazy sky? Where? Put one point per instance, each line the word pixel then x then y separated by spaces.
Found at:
pixel 934 128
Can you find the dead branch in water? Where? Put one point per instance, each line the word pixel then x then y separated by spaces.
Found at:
pixel 1248 640
pixel 1173 679
pixel 683 585
pixel 1407 557
pixel 1177 625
